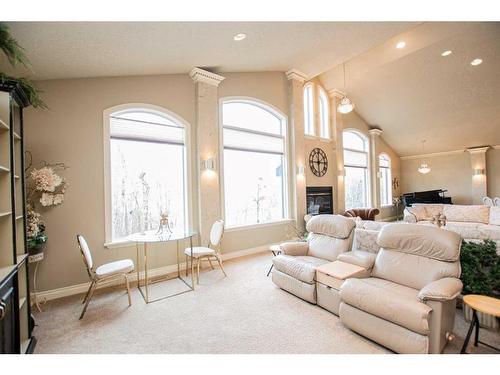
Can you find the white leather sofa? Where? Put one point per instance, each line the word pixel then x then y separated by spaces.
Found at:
pixel 295 270
pixel 408 303
pixel 471 222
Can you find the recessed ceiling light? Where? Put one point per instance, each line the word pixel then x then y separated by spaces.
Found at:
pixel 446 53
pixel 476 62
pixel 400 45
pixel 240 36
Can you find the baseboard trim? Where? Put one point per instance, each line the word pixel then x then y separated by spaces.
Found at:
pixel 71 290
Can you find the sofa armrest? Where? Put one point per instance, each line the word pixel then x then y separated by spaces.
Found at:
pixel 359 258
pixel 294 248
pixel 444 289
pixel 409 216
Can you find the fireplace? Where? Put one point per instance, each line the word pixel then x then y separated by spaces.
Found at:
pixel 319 200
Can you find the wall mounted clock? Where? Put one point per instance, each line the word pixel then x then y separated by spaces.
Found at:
pixel 318 162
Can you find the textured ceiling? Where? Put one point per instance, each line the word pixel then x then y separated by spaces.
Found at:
pixel 97 49
pixel 415 94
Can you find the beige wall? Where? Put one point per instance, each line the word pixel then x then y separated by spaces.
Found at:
pixel 71 132
pixel 493 172
pixel 449 172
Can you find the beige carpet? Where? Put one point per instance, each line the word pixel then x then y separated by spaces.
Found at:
pixel 243 313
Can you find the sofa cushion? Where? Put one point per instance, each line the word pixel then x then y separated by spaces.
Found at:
pixel 423 240
pixel 389 301
pixel 412 270
pixel 425 211
pixel 494 215
pixel 302 268
pixel 326 247
pixel 365 240
pixel 489 231
pixel 331 225
pixel 467 213
pixel 371 225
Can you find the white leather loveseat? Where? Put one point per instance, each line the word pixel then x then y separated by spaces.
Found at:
pixel 408 303
pixel 295 270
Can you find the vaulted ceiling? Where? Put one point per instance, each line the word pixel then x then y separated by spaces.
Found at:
pixel 415 94
pixel 412 93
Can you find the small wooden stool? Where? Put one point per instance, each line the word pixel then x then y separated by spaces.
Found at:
pixel 484 304
pixel 276 250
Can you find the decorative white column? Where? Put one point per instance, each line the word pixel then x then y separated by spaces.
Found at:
pixel 374 167
pixel 207 139
pixel 296 81
pixel 337 130
pixel 478 172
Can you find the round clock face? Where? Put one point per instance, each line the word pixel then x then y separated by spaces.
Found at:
pixel 318 162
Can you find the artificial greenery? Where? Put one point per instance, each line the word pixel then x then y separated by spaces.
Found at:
pixel 16 56
pixel 480 268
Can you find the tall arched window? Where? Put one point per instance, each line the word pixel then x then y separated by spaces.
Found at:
pixel 324 116
pixel 146 171
pixel 384 162
pixel 309 109
pixel 356 181
pixel 254 148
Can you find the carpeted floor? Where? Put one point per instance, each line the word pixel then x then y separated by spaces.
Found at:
pixel 243 313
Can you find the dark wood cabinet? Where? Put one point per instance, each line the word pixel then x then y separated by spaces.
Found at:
pixel 15 310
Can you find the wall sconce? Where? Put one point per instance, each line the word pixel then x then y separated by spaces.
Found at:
pixel 478 172
pixel 208 164
pixel 300 170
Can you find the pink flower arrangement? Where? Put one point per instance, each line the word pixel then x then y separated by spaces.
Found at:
pixel 46 179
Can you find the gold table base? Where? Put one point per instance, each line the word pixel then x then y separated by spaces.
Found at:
pixel 145 292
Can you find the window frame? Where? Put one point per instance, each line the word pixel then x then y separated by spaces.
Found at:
pixel 286 162
pixel 324 119
pixel 188 193
pixel 310 115
pixel 389 185
pixel 367 168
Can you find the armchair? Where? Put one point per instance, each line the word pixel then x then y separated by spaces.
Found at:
pixel 295 269
pixel 408 302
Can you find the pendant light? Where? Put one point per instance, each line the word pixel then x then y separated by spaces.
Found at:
pixel 424 168
pixel 346 105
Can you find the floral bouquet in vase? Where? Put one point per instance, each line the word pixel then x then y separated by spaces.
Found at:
pixel 45 188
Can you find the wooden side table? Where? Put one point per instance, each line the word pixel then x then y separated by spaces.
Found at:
pixel 276 250
pixel 484 304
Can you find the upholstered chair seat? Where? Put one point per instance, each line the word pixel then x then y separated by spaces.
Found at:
pixel 199 251
pixel 115 268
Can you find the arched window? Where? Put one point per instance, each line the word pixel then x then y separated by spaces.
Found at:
pixel 356 181
pixel 254 148
pixel 146 171
pixel 324 116
pixel 309 109
pixel 384 162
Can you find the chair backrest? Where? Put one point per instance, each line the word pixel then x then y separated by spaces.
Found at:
pixel 363 213
pixel 330 235
pixel 216 233
pixel 487 201
pixel 496 201
pixel 87 255
pixel 415 255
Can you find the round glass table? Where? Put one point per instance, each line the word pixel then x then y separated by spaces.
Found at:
pixel 150 237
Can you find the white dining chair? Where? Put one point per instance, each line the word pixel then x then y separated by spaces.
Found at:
pixel 209 253
pixel 487 201
pixel 106 272
pixel 496 201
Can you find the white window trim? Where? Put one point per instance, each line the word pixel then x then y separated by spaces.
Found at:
pixel 312 116
pixel 286 167
pixel 380 179
pixel 107 164
pixel 368 164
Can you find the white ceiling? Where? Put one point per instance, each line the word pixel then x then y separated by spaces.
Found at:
pixel 415 94
pixel 97 49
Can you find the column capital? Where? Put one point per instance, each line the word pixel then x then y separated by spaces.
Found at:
pixel 478 150
pixel 295 74
pixel 201 75
pixel 375 132
pixel 336 93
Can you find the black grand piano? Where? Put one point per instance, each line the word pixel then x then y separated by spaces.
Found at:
pixel 429 196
